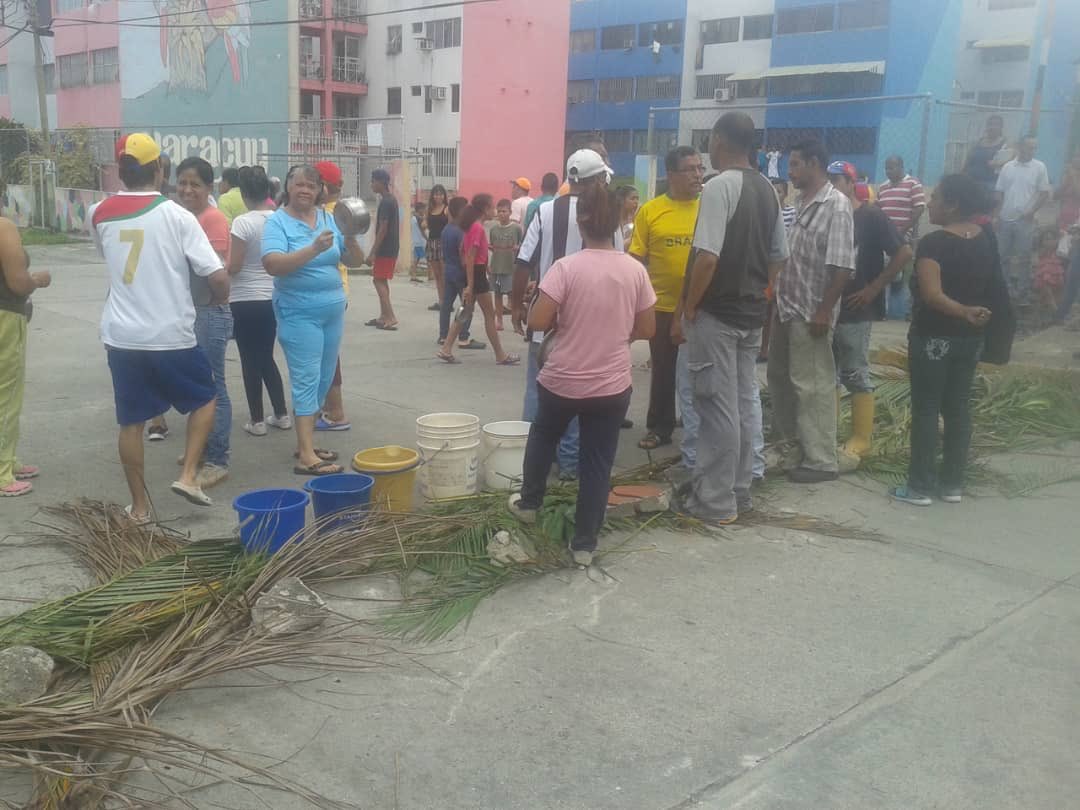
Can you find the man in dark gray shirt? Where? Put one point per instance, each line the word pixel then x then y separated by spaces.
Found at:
pixel 739 240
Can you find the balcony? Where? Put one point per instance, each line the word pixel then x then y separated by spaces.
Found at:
pixel 311 68
pixel 351 10
pixel 311 9
pixel 349 69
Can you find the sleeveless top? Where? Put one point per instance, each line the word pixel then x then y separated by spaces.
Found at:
pixel 9 301
pixel 436 223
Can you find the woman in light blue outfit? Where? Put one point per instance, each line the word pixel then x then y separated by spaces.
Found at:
pixel 301 249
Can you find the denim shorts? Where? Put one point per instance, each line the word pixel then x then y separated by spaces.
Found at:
pixel 146 383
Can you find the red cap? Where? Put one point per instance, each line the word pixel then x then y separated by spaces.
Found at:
pixel 329 172
pixel 862 192
pixel 844 168
pixel 121 142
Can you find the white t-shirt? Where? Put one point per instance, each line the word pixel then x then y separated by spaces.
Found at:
pixel 149 243
pixel 518 208
pixel 252 283
pixel 1019 183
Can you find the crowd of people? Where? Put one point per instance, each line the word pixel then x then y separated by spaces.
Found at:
pixel 718 274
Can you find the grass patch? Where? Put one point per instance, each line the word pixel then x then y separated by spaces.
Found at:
pixel 40 236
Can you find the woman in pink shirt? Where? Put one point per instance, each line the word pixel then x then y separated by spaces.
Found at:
pixel 597 301
pixel 474 258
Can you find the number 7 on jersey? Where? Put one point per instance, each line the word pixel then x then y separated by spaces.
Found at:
pixel 134 237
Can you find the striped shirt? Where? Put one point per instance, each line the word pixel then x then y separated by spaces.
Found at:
pixel 822 237
pixel 898 200
pixel 789 213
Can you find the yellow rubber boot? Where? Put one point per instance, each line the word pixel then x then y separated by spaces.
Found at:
pixel 862 425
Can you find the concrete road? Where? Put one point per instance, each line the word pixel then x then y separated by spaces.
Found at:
pixel 937 667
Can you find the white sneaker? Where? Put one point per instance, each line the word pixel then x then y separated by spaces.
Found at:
pixel 582 558
pixel 280 422
pixel 255 428
pixel 210 475
pixel 524 515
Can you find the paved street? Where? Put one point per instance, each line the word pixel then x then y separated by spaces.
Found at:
pixel 937 667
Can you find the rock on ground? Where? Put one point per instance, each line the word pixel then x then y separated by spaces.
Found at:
pixel 24 674
pixel 288 607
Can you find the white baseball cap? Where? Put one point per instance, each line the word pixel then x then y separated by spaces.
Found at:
pixel 586 163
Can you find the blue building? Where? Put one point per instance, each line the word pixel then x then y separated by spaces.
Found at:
pixel 625 57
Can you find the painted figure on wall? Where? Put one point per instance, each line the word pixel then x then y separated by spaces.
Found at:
pixel 184 46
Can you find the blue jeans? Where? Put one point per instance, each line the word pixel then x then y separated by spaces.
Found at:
pixel 311 339
pixel 570 443
pixel 451 291
pixel 213 329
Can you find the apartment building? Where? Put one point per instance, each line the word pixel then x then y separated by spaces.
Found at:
pixel 18 79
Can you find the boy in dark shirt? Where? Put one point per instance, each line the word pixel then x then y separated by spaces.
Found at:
pixel 385 249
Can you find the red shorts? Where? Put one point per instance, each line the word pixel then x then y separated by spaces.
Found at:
pixel 384 267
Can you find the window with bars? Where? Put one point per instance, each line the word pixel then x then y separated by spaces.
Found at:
pixel 583 41
pixel 440 161
pixel 74 70
pixel 455 98
pixel 751 88
pixel 615 90
pixel 393 101
pixel 580 91
pixel 445 33
pixel 617 140
pixel 654 88
pixel 106 65
pixel 714 32
pixel 804 20
pixel 706 86
pixel 758 26
pixel 863 14
pixel 616 37
pixel 826 84
pixel 851 140
pixel 1015 53
pixel 664 139
pixel 699 139
pixel 668 32
pixel 393 39
pixel 1000 98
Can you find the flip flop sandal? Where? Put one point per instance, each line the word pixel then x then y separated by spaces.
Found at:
pixel 193 495
pixel 138 520
pixel 448 358
pixel 434 308
pixel 319 468
pixel 509 360
pixel 387 327
pixel 652 442
pixel 325 455
pixel 26 472
pixel 373 322
pixel 475 345
pixel 16 488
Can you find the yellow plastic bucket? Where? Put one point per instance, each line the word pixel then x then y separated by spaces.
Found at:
pixel 394 470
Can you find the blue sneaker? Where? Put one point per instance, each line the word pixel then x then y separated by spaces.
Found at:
pixel 910 496
pixel 322 423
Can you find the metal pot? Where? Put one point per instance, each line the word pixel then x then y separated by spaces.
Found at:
pixel 352 216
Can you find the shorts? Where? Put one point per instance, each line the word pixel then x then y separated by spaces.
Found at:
pixel 434 250
pixel 418 252
pixel 385 267
pixel 481 284
pixel 146 383
pixel 502 283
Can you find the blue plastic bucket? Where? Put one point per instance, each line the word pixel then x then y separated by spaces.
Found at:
pixel 270 517
pixel 347 495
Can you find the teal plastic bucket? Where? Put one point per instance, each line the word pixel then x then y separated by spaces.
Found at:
pixel 269 518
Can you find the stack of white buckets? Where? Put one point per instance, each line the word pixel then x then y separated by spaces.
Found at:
pixel 453 449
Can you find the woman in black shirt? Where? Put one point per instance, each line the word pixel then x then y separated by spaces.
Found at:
pixel 435 220
pixel 956 270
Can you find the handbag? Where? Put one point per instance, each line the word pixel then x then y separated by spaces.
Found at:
pixel 1000 331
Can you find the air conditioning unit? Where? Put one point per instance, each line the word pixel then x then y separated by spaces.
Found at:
pixel 437 93
pixel 425 44
pixel 722 94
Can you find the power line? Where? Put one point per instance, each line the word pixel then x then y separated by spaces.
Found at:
pixel 140 22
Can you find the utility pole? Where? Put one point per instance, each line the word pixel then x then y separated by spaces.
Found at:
pixel 39 74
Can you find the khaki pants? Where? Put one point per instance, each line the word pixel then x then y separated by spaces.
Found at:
pixel 802 383
pixel 12 384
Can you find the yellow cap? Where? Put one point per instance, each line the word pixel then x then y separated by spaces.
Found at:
pixel 142 147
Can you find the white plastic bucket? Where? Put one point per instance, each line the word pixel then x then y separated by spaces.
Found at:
pixel 450 430
pixel 504 454
pixel 448 472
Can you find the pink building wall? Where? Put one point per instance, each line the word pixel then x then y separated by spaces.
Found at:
pixel 513 93
pixel 5 101
pixel 96 105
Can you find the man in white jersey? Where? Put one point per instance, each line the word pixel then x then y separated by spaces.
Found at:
pixel 148 326
pixel 553 233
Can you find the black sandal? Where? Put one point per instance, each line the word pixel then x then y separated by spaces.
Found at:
pixel 319 468
pixel 652 441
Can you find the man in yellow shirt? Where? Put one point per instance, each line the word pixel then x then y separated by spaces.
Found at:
pixel 229 201
pixel 663 235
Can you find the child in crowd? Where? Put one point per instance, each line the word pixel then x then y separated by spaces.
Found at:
pixel 505 239
pixel 1049 276
pixel 419 240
